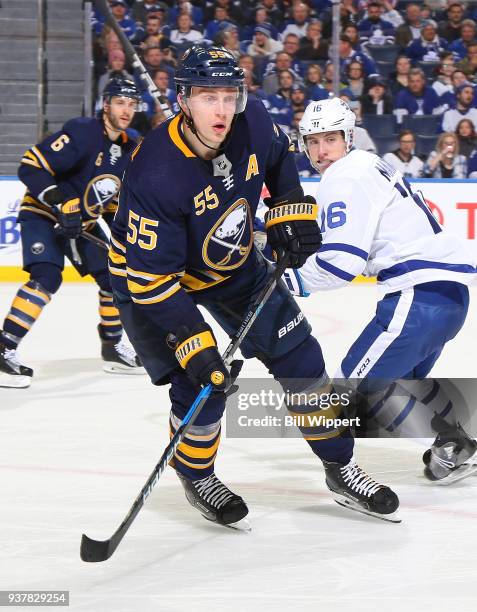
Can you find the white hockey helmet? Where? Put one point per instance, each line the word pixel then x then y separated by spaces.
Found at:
pixel 327 116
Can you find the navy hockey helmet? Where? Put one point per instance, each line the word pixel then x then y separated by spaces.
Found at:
pixel 120 86
pixel 210 67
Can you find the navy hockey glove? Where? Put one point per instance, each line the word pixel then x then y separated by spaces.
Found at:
pixel 196 352
pixel 68 213
pixel 292 228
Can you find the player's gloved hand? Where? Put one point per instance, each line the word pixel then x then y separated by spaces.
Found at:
pixel 196 351
pixel 68 213
pixel 292 227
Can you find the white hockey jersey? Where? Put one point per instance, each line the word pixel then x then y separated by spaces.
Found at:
pixel 373 224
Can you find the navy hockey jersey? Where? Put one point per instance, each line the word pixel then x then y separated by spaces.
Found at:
pixel 180 228
pixel 82 161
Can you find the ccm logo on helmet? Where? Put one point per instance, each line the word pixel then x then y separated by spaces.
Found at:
pixel 222 74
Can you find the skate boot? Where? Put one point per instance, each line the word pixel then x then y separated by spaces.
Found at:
pixel 214 500
pixel 12 373
pixel 352 488
pixel 119 358
pixel 447 459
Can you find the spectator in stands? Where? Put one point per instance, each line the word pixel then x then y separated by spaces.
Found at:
pixel 400 78
pixel 469 63
pixel 155 59
pixel 279 104
pixel 374 28
pixel 403 158
pixel 263 44
pixel 228 37
pixel 355 78
pixel 116 67
pixel 444 71
pixel 232 7
pixel 313 79
pixel 467 37
pixel 184 6
pixel 161 81
pixel 214 25
pixel 445 161
pixel 184 33
pixel 274 13
pixel 376 99
pixel 327 81
pixel 282 62
pixel 253 86
pixel 298 99
pixel 463 110
pixel 389 12
pixel 449 98
pixel 297 116
pixel 260 18
pixel 312 46
pixel 133 31
pixel 154 24
pixel 352 32
pixel 348 54
pixel 450 28
pixel 472 165
pixel 291 45
pixel 467 137
pixel 417 98
pixel 299 21
pixel 411 29
pixel 142 9
pixel 428 46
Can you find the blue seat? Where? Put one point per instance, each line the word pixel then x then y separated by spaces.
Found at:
pixel 385 68
pixel 385 144
pixel 429 69
pixel 425 144
pixel 383 53
pixel 424 125
pixel 380 125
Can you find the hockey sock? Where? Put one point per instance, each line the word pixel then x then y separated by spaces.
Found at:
pixel 195 455
pixel 110 327
pixel 26 307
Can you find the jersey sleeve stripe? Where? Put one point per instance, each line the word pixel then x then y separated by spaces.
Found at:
pixel 334 270
pixel 118 245
pixel 418 264
pixel 138 288
pixel 117 271
pixel 345 248
pixel 116 258
pixel 42 160
pixel 158 298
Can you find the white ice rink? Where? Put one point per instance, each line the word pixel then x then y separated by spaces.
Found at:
pixel 76 448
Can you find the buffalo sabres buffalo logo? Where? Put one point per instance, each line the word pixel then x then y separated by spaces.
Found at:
pixel 229 241
pixel 99 193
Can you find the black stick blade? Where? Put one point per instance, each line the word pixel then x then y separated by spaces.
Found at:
pixel 93 551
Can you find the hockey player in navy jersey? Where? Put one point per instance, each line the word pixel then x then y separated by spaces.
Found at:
pixel 183 236
pixel 72 178
pixel 374 224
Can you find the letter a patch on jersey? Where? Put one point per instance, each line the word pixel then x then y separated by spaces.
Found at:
pixel 252 169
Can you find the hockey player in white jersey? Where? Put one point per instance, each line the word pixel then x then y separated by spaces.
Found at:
pixel 373 224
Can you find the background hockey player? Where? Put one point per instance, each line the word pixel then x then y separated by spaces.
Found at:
pixel 183 236
pixel 373 224
pixel 72 178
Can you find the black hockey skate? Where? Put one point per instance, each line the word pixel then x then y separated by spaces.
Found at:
pixel 448 458
pixel 119 358
pixel 352 488
pixel 214 500
pixel 12 373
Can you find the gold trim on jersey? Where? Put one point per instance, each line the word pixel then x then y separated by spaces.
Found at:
pixel 42 160
pixel 117 271
pixel 116 258
pixel 158 298
pixel 118 245
pixel 176 137
pixel 191 283
pixel 161 280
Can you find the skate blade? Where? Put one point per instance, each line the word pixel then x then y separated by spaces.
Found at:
pixel 351 505
pixel 111 367
pixel 242 525
pixel 463 471
pixel 15 381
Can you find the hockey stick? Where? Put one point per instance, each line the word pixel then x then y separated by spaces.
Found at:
pixel 95 550
pixel 133 58
pixel 95 240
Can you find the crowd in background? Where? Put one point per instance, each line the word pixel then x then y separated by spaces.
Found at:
pixel 407 69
